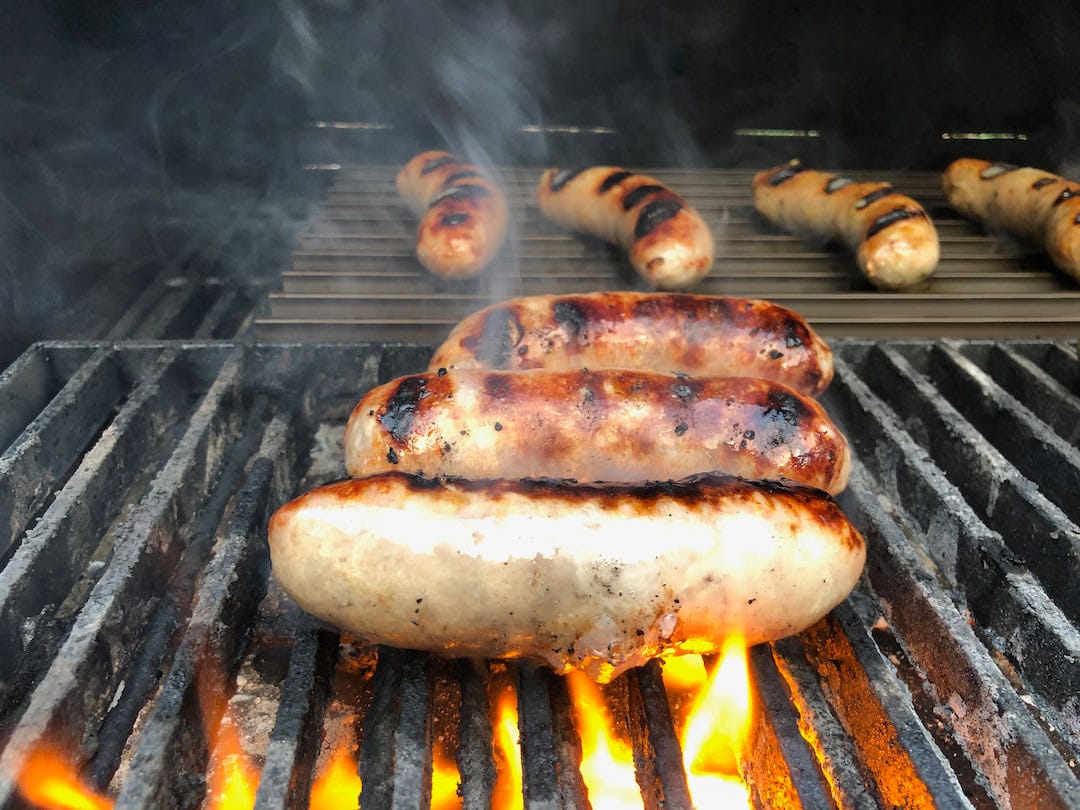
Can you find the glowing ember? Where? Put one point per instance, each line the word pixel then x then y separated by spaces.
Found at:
pixel 507 793
pixel 444 784
pixel 607 762
pixel 716 731
pixel 49 781
pixel 338 784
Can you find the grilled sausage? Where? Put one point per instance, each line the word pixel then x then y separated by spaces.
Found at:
pixel 463 214
pixel 669 244
pixel 698 335
pixel 605 425
pixel 1035 205
pixel 600 578
pixel 894 241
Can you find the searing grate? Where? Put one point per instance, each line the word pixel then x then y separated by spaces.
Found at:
pixel 137 481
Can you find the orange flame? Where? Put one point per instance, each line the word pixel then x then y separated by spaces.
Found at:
pixel 507 793
pixel 607 762
pixel 444 784
pixel 233 778
pixel 716 731
pixel 50 782
pixel 338 784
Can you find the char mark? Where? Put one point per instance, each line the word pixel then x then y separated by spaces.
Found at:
pixel 459 193
pixel 890 218
pixel 786 172
pixel 564 176
pixel 401 407
pixel 874 196
pixel 786 407
pixel 837 183
pixel 437 163
pixel 1066 194
pixel 450 220
pixel 996 170
pixel 464 174
pixel 655 214
pixel 502 332
pixel 633 197
pixel 614 179
pixel 571 316
pixel 1043 182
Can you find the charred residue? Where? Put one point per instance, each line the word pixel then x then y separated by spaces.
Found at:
pixel 636 195
pixel 654 215
pixel 891 218
pixel 400 410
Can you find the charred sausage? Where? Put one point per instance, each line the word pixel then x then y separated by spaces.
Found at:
pixel 462 213
pixel 604 425
pixel 1033 204
pixel 669 244
pixel 600 578
pixel 667 332
pixel 894 240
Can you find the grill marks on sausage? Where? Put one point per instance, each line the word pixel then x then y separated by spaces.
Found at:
pixel 837 183
pixel 497 337
pixel 655 214
pixel 467 192
pixel 564 176
pixel 569 315
pixel 401 409
pixel 874 196
pixel 996 170
pixel 891 218
pixel 635 196
pixel 452 220
pixel 437 163
pixel 1042 182
pixel 612 180
pixel 785 173
pixel 1066 194
pixel 464 174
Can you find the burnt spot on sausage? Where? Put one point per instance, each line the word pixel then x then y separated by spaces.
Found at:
pixel 1076 221
pixel 442 371
pixel 564 176
pixel 497 386
pixel 467 192
pixel 451 220
pixel 392 456
pixel 569 315
pixel 401 408
pixel 794 333
pixel 837 183
pixel 1043 182
pixel 464 174
pixel 613 179
pixel 499 334
pixel 874 196
pixel 655 214
pixel 890 218
pixel 786 172
pixel 681 428
pixel 437 163
pixel 1066 194
pixel 635 196
pixel 786 407
pixel 775 355
pixel 996 170
pixel 498 426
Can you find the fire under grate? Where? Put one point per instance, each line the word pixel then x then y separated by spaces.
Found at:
pixel 135 489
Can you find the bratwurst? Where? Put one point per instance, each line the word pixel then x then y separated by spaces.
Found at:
pixel 676 333
pixel 600 578
pixel 669 244
pixel 603 425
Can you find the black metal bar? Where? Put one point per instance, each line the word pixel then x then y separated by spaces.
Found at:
pixel 539 762
pixel 657 752
pixel 474 755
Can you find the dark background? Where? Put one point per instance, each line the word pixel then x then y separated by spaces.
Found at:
pixel 145 139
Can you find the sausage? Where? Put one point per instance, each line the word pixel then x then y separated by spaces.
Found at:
pixel 894 240
pixel 669 244
pixel 595 577
pixel 1033 204
pixel 604 425
pixel 674 333
pixel 463 214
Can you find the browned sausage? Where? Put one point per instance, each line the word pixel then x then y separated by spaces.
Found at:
pixel 669 244
pixel 604 425
pixel 463 214
pixel 698 335
pixel 894 240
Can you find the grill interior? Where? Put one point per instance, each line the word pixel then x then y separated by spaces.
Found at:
pixel 135 489
pixel 355 275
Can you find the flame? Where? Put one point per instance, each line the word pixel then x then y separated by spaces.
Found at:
pixel 507 793
pixel 445 778
pixel 50 782
pixel 607 762
pixel 233 778
pixel 338 784
pixel 716 731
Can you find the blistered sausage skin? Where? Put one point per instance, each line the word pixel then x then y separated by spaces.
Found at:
pixel 669 244
pixel 603 425
pixel 463 214
pixel 894 240
pixel 1033 204
pixel 598 578
pixel 677 333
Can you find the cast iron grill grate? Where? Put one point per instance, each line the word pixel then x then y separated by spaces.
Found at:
pixel 138 478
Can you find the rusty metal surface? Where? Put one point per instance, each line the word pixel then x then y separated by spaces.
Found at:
pixel 354 275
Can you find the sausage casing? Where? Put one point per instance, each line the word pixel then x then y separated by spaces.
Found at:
pixel 894 240
pixel 463 214
pixel 678 333
pixel 1033 204
pixel 600 578
pixel 668 242
pixel 603 425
